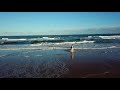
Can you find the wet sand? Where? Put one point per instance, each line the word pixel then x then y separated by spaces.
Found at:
pixel 104 63
pixel 96 64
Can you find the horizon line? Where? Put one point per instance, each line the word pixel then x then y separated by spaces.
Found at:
pixel 62 34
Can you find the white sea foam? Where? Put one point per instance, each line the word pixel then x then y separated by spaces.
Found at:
pixel 110 37
pixel 38 55
pixel 33 39
pixel 89 36
pixel 36 44
pixel 7 39
pixel 26 56
pixel 62 43
pixel 81 42
pixel 113 47
pixel 47 38
pixel 87 41
pixel 2 55
pixel 43 38
pixel 56 48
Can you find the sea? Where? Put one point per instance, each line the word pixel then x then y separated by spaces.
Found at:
pixel 49 56
pixel 47 42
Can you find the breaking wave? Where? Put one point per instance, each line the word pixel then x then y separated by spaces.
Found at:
pixel 7 39
pixel 57 47
pixel 110 37
pixel 63 39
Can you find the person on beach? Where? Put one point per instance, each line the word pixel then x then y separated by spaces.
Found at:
pixel 72 49
pixel 72 52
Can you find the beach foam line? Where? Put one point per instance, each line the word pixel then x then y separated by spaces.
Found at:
pixel 2 55
pixel 80 42
pixel 110 37
pixel 48 38
pixel 90 36
pixel 27 56
pixel 61 43
pixel 55 48
pixel 99 48
pixel 36 44
pixel 38 55
pixel 43 38
pixel 7 39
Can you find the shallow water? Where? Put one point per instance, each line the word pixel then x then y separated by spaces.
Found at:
pixel 30 64
pixel 83 63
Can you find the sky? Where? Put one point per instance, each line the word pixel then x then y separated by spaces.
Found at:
pixel 56 23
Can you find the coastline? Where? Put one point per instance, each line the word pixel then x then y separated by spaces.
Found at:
pixel 104 63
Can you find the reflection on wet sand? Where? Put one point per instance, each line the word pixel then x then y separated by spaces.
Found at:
pixel 72 52
pixel 72 55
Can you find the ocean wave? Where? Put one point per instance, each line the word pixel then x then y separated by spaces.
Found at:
pixel 7 39
pixel 85 41
pixel 43 38
pixel 59 40
pixel 2 55
pixel 48 38
pixel 99 48
pixel 60 43
pixel 110 37
pixel 4 41
pixel 34 39
pixel 36 44
pixel 113 47
pixel 80 42
pixel 20 49
pixel 58 48
pixel 38 55
pixel 26 56
pixel 90 36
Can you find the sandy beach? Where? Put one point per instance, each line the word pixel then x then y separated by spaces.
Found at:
pixel 59 45
pixel 90 63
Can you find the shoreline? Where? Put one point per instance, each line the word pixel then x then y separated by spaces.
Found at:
pixel 102 63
